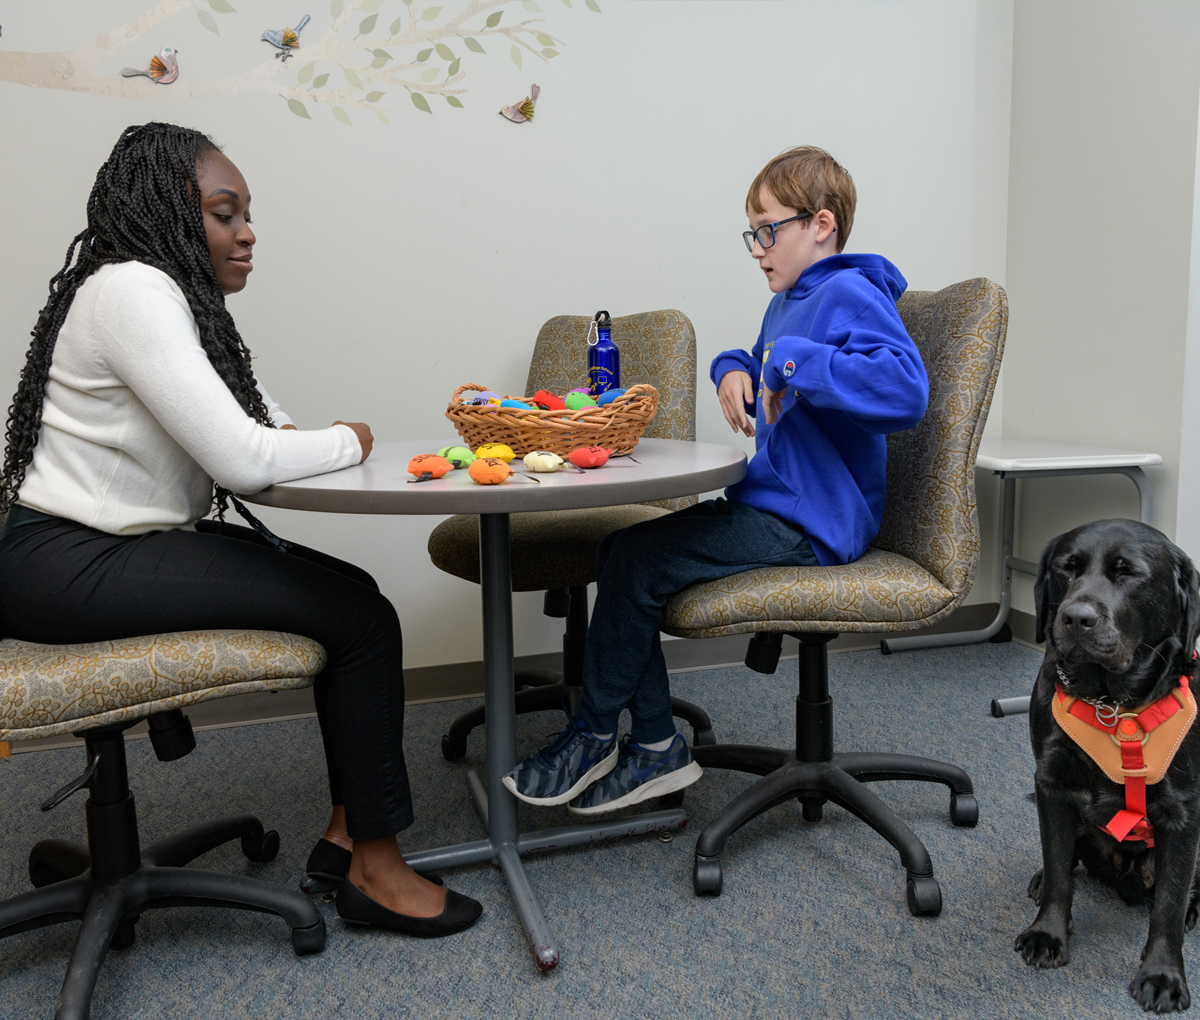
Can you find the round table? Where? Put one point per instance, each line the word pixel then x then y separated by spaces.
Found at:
pixel 658 469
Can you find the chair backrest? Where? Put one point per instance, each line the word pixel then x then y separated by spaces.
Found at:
pixel 930 514
pixel 656 347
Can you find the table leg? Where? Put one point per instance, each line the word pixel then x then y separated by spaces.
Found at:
pixel 497 807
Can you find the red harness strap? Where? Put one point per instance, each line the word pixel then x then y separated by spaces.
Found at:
pixel 1130 731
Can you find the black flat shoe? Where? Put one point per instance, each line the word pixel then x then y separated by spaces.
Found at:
pixel 357 907
pixel 326 868
pixel 328 865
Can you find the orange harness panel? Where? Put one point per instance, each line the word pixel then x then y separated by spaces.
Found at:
pixel 1133 748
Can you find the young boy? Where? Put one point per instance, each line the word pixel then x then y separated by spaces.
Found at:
pixel 832 372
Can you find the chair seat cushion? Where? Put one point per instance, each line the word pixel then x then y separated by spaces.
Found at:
pixel 883 591
pixel 555 549
pixel 47 690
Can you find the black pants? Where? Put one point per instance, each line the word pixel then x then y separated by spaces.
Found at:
pixel 64 583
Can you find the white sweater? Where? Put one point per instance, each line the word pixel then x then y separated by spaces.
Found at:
pixel 137 424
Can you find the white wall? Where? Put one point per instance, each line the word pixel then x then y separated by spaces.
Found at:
pixel 1103 162
pixel 398 260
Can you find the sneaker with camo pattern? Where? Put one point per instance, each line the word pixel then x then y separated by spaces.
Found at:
pixel 563 768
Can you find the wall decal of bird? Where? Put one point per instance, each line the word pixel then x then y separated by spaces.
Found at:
pixel 286 39
pixel 163 69
pixel 520 112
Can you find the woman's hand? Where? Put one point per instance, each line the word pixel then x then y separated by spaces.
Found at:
pixel 363 431
pixel 735 392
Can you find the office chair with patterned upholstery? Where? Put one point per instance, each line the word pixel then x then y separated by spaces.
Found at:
pixel 919 569
pixel 555 552
pixel 97 691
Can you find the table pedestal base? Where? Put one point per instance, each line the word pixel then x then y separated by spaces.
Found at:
pixel 497 807
pixel 508 857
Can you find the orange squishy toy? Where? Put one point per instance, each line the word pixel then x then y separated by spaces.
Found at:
pixel 489 471
pixel 425 466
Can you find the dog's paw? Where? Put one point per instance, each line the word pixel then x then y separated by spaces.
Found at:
pixel 1034 889
pixel 1159 989
pixel 1042 950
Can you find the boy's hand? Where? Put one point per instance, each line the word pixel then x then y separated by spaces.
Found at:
pixel 772 404
pixel 735 392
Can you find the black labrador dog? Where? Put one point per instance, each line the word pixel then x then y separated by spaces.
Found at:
pixel 1119 609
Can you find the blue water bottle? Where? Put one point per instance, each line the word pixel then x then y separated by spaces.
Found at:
pixel 604 357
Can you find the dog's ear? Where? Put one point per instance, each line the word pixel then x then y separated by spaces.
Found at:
pixel 1046 605
pixel 1187 590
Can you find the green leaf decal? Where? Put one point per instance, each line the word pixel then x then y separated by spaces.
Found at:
pixel 371 5
pixel 444 51
pixel 515 53
pixel 531 6
pixel 353 78
pixel 335 8
pixel 452 70
pixel 420 102
pixel 382 116
pixel 378 62
pixel 453 101
pixel 305 73
pixel 367 24
pixel 593 6
pixel 342 115
pixel 494 19
pixel 320 80
pixel 222 6
pixel 374 97
pixel 396 26
pixel 429 74
pixel 566 3
pixel 298 109
pixel 424 55
pixel 383 54
pixel 208 21
pixel 474 45
pixel 548 52
pixel 544 39
pixel 428 15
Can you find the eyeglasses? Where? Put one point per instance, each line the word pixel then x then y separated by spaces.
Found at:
pixel 765 235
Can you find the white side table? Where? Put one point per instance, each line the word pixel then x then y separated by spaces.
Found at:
pixel 1033 458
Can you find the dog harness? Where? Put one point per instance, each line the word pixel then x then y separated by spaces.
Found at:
pixel 1132 748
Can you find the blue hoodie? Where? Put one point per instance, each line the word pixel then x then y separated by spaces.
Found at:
pixel 836 343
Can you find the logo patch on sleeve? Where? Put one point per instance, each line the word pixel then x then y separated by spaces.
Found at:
pixel 789 369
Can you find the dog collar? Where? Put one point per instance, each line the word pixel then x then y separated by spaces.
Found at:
pixel 1132 747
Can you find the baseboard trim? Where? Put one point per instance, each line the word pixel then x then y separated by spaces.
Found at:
pixel 459 680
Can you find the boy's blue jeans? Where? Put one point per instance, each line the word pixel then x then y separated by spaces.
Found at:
pixel 638 569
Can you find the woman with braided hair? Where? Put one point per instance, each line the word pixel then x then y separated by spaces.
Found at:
pixel 137 396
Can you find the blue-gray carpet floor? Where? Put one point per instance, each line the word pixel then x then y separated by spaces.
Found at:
pixel 812 920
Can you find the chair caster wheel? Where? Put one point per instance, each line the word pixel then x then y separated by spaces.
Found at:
pixel 309 940
pixel 261 848
pixel 703 738
pixel 706 876
pixel 55 860
pixel 924 896
pixel 453 749
pixel 1002 637
pixel 964 809
pixel 125 935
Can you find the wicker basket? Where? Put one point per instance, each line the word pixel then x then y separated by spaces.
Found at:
pixel 617 426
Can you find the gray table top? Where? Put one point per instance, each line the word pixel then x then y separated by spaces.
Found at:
pixel 659 469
